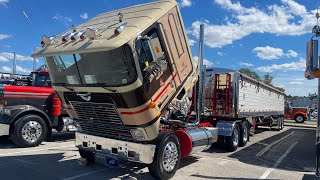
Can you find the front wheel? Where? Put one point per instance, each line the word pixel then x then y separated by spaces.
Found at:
pixel 29 131
pixel 167 156
pixel 299 118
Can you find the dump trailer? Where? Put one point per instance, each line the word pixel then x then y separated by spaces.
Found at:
pixel 232 97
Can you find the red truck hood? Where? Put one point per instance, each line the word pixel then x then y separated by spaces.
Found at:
pixel 26 91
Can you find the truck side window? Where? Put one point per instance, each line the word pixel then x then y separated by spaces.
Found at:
pixel 148 54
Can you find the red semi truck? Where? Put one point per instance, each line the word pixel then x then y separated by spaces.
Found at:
pixel 29 113
pixel 299 114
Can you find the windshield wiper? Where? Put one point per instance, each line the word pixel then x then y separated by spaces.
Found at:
pixel 112 90
pixel 65 86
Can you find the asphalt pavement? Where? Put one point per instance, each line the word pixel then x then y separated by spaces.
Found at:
pixel 286 154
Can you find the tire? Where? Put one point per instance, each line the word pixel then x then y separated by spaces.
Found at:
pixel 299 118
pixel 60 126
pixel 87 154
pixel 280 123
pixel 29 131
pixel 159 168
pixel 232 142
pixel 244 134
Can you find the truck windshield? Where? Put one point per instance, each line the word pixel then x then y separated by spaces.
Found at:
pixel 107 68
pixel 42 80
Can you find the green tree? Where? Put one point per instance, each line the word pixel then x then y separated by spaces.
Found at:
pixel 250 73
pixel 267 79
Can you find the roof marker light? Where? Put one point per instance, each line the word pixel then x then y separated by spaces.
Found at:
pixel 120 28
pixel 90 33
pixel 67 37
pixel 76 36
pixel 46 41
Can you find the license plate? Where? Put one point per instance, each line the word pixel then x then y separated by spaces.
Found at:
pixel 110 161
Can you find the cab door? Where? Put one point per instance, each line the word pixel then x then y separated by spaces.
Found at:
pixel 155 67
pixel 171 29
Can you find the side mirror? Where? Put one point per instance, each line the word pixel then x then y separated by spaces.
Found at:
pixel 312 65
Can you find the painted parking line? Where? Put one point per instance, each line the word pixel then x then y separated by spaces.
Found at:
pixel 35 150
pixel 269 170
pixel 273 143
pixel 85 174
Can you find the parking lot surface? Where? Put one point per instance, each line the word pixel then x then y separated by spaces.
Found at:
pixel 286 154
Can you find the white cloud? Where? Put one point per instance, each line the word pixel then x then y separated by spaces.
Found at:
pixel 206 62
pixel 18 68
pixel 4 36
pixel 293 66
pixel 4 3
pixel 192 42
pixel 296 82
pixel 288 18
pixel 292 53
pixel 84 15
pixel 268 52
pixel 5 56
pixel 65 20
pixel 246 64
pixel 185 3
pixel 219 53
pixel 299 79
pixel 6 69
pixel 23 70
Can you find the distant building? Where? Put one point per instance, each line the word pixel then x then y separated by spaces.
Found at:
pixel 303 102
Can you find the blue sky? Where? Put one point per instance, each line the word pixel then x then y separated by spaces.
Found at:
pixel 265 36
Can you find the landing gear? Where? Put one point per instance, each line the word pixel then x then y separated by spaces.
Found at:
pixel 167 156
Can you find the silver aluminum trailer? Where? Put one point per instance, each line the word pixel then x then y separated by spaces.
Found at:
pixel 234 98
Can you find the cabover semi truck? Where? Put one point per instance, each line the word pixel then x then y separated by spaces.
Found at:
pixel 28 113
pixel 128 80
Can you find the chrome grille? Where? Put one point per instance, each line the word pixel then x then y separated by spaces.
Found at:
pixel 101 119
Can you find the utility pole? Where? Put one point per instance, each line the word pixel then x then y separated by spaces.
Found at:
pixel 14 65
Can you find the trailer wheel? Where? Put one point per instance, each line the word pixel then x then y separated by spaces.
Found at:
pixel 29 131
pixel 299 118
pixel 244 134
pixel 280 124
pixel 167 156
pixel 87 155
pixel 232 142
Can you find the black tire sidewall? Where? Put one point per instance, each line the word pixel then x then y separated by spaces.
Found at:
pixel 16 134
pixel 241 135
pixel 229 139
pixel 156 168
pixel 295 118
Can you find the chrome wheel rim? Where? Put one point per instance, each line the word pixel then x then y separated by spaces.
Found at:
pixel 299 118
pixel 235 137
pixel 31 131
pixel 245 134
pixel 170 156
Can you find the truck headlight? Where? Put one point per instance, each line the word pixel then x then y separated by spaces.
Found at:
pixel 138 134
pixel 7 111
pixel 77 125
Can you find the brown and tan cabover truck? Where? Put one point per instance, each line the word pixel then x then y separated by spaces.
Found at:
pixel 127 79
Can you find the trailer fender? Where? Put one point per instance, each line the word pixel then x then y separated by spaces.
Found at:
pixel 225 128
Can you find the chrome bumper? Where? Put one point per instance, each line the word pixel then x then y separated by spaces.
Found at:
pixel 4 129
pixel 123 150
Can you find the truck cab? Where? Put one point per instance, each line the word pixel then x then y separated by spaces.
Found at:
pixel 28 113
